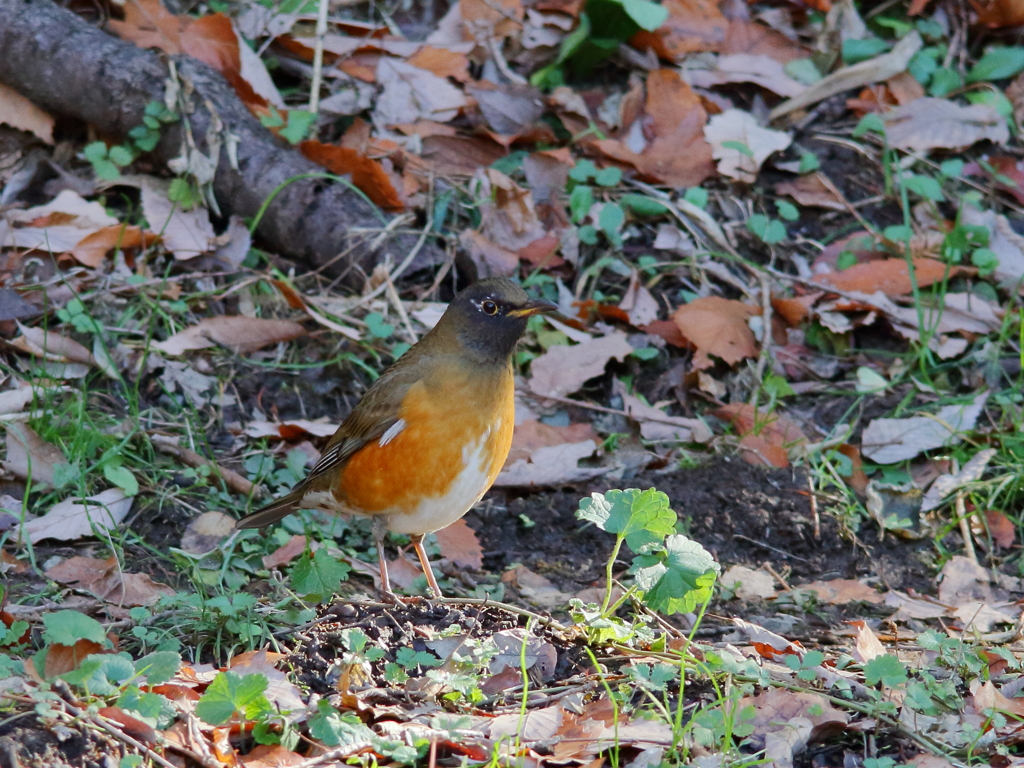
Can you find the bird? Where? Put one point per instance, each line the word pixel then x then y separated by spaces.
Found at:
pixel 428 438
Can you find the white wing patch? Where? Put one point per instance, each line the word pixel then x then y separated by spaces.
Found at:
pixel 392 432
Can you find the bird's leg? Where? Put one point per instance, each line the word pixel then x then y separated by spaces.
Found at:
pixel 379 531
pixel 417 543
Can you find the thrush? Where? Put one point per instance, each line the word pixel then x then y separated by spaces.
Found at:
pixel 429 437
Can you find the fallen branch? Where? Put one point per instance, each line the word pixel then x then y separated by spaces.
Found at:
pixel 66 66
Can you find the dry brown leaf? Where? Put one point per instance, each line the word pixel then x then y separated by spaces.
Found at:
pixel 74 518
pixel 239 334
pixel 271 756
pixel 999 13
pixel 551 466
pixel 811 190
pixel 29 455
pixel 988 700
pixel 691 26
pixel 531 434
pixel 1002 529
pixel 367 175
pixel 753 37
pixel 61 659
pixel 656 425
pixel 106 580
pixel 489 258
pixel 508 109
pixel 443 62
pixel 20 113
pixel 563 370
pixel 867 646
pixel 53 346
pixel 674 150
pixel 842 591
pixel 186 234
pixel 768 437
pixel 759 69
pixel 891 276
pixel 287 552
pixel 795 309
pixel 92 249
pixel 786 721
pixel 459 543
pixel 930 123
pixel 535 587
pixel 410 94
pixel 717 326
pixel 455 156
pixel 962 580
pixel 492 18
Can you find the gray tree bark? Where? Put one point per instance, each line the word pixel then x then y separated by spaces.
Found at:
pixel 68 67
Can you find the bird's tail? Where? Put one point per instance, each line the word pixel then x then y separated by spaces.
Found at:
pixel 272 512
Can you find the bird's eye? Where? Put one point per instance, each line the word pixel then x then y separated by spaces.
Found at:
pixel 489 308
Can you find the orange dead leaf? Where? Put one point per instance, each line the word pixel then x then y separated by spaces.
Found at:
pixel 795 309
pixel 858 479
pixel 676 153
pixel 367 175
pixel 134 727
pixel 767 436
pixel 917 6
pixel 459 543
pixel 287 552
pixel 61 659
pixel 890 276
pixel 692 26
pixel 1003 531
pixel 442 62
pixel 755 38
pixel 999 13
pixel 93 249
pixel 504 17
pixel 717 326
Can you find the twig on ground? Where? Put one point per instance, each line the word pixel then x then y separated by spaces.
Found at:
pixel 234 481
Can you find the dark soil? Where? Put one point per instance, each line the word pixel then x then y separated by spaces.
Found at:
pixel 744 515
pixel 28 743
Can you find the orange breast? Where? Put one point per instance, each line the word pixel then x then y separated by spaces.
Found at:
pixel 445 429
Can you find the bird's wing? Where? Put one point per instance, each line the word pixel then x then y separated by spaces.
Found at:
pixel 376 413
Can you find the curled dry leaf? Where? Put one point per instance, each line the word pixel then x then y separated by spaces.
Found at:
pixel 563 370
pixel 239 334
pixel 759 69
pixel 489 258
pixel 717 326
pixel 811 190
pixel 291 430
pixel 287 552
pixel 867 645
pixel 551 465
pixel 185 233
pixel 107 580
pixel 367 175
pixel 410 94
pixel 691 26
pixel 74 518
pixel 946 484
pixel 656 425
pixel 729 131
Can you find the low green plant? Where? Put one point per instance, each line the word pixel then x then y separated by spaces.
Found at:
pixel 671 572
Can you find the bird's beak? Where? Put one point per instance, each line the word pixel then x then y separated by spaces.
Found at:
pixel 533 307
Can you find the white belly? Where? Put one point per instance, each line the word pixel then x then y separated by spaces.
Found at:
pixel 439 512
pixel 433 513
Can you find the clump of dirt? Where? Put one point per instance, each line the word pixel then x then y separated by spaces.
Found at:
pixel 744 515
pixel 418 625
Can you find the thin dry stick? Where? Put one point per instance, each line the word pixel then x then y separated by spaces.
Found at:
pixel 318 57
pixel 965 524
pixel 766 335
pixel 673 420
pixel 396 302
